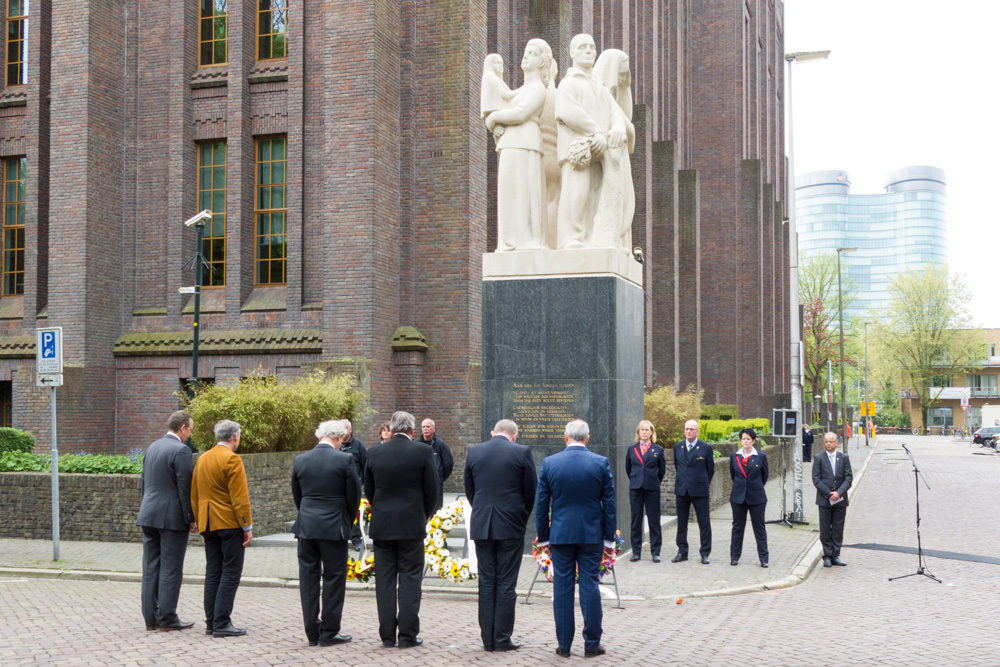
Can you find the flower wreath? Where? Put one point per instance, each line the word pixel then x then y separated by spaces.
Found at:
pixel 438 557
pixel 544 562
pixel 362 569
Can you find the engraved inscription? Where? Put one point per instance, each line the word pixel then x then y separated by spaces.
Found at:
pixel 542 409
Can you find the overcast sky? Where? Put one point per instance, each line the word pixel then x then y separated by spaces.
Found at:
pixel 908 82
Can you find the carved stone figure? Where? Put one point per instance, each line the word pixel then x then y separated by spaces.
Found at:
pixel 590 122
pixel 521 199
pixel 616 203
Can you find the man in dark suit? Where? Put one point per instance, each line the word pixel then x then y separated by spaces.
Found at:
pixel 326 490
pixel 356 449
pixel 807 443
pixel 444 462
pixel 645 465
pixel 500 483
pixel 166 518
pixel 577 485
pixel 832 477
pixel 694 461
pixel 401 483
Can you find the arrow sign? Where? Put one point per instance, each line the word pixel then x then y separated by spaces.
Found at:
pixel 54 380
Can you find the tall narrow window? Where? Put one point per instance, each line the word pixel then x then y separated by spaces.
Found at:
pixel 13 226
pixel 214 24
pixel 6 403
pixel 270 210
pixel 272 29
pixel 17 42
pixel 212 196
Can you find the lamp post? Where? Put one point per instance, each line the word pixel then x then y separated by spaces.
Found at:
pixel 795 334
pixel 198 222
pixel 868 412
pixel 843 387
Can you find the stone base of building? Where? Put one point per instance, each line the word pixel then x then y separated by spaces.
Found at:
pixel 561 263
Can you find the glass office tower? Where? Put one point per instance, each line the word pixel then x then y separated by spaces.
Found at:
pixel 902 229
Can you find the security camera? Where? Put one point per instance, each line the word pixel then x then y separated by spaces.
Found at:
pixel 637 254
pixel 202 217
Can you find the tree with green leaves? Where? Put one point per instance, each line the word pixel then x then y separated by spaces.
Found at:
pixel 821 318
pixel 926 331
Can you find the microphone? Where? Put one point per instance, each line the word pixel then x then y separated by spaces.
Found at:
pixel 904 447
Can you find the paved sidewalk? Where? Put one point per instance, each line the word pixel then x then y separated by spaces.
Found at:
pixel 794 552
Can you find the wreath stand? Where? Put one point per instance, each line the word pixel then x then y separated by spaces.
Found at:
pixel 538 571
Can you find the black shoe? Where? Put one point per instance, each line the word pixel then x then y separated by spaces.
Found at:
pixel 314 642
pixel 509 646
pixel 388 643
pixel 208 630
pixel 704 560
pixel 763 563
pixel 656 559
pixel 826 561
pixel 228 631
pixel 413 643
pixel 634 558
pixel 150 628
pixel 735 561
pixel 488 649
pixel 836 561
pixel 593 653
pixel 678 558
pixel 563 652
pixel 336 639
pixel 176 625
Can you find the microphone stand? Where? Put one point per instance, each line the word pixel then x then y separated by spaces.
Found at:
pixel 921 567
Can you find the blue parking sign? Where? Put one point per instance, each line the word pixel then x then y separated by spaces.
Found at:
pixel 48 351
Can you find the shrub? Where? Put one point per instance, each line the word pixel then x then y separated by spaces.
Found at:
pixel 94 464
pixel 23 462
pixel 723 411
pixel 16 440
pixel 668 409
pixel 714 430
pixel 274 416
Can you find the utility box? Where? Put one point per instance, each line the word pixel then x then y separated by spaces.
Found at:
pixel 785 423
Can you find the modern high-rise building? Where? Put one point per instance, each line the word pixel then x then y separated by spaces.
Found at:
pixel 903 228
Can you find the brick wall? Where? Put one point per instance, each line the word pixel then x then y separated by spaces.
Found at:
pixel 103 507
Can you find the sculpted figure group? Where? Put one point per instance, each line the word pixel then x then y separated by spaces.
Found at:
pixel 564 178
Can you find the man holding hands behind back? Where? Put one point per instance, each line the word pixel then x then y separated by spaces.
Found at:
pixel 500 484
pixel 326 490
pixel 577 484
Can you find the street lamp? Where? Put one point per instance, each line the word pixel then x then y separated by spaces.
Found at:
pixel 198 222
pixel 868 412
pixel 843 387
pixel 795 334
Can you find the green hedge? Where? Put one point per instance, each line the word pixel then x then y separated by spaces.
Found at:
pixel 16 440
pixel 94 464
pixel 716 430
pixel 722 411
pixel 274 416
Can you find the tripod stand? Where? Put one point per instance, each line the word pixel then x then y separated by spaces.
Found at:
pixel 921 567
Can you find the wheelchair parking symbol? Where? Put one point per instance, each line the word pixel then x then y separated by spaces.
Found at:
pixel 48 354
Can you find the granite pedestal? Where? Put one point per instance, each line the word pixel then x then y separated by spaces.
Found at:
pixel 563 348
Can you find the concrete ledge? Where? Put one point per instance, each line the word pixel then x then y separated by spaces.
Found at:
pixel 573 262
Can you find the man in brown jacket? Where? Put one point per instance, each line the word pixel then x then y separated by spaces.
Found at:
pixel 221 505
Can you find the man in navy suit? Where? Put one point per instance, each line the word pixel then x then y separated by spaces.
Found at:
pixel 832 477
pixel 500 483
pixel 577 485
pixel 694 461
pixel 326 489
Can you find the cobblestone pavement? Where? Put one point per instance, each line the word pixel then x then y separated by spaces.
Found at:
pixel 912 621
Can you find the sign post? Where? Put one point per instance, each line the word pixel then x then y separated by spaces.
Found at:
pixel 48 373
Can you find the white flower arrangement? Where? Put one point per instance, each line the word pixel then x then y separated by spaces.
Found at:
pixel 438 556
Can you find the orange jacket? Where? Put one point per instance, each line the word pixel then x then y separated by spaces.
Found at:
pixel 219 493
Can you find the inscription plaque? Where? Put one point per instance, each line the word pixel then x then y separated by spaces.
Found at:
pixel 542 409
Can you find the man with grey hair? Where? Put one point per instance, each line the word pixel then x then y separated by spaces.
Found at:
pixel 577 485
pixel 500 484
pixel 326 490
pixel 401 483
pixel 221 504
pixel 694 465
pixel 166 518
pixel 444 463
pixel 356 449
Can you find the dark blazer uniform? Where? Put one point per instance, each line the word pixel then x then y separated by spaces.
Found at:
pixel 691 486
pixel 500 483
pixel 747 495
pixel 165 516
pixel 401 483
pixel 645 472
pixel 577 485
pixel 831 517
pixel 326 490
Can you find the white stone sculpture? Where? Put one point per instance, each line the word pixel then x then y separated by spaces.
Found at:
pixel 616 203
pixel 521 198
pixel 494 91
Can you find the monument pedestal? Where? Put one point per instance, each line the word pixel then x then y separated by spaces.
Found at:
pixel 563 348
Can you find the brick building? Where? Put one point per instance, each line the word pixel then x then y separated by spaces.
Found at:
pixel 340 147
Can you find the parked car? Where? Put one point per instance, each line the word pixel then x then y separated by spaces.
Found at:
pixel 985 435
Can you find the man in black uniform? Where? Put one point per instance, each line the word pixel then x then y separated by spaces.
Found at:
pixel 353 446
pixel 442 455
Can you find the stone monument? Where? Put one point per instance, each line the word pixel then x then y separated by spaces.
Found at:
pixel 562 294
